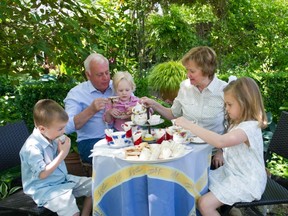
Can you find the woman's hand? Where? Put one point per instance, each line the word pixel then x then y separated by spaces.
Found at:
pixel 148 102
pixel 218 159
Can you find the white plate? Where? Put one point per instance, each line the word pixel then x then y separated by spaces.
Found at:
pixel 136 161
pixel 118 146
pixel 197 140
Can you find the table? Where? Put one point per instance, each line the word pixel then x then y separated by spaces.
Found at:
pixel 155 189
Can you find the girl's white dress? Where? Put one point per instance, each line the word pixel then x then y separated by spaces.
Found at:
pixel 242 178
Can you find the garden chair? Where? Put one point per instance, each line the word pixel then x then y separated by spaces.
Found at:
pixel 274 193
pixel 13 136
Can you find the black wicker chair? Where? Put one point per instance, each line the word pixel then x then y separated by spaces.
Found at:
pixel 13 136
pixel 274 193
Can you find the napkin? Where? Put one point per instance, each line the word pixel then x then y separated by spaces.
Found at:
pixel 108 152
pixel 127 127
pixel 137 137
pixel 159 135
pixel 108 135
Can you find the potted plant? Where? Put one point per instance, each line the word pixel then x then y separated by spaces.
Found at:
pixel 166 77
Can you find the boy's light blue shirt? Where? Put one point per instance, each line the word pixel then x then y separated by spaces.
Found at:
pixel 35 155
pixel 78 99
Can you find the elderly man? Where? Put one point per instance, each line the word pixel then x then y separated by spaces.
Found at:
pixel 85 104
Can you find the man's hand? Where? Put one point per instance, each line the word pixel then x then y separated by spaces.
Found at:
pixel 99 104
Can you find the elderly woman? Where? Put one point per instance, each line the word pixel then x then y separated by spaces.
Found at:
pixel 200 97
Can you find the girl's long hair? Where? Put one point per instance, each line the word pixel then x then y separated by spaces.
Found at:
pixel 247 93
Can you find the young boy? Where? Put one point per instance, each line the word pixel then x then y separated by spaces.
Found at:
pixel 44 173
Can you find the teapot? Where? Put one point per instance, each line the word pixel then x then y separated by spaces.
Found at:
pixel 139 114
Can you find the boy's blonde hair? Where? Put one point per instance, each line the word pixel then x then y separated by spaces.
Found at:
pixel 47 111
pixel 247 93
pixel 205 58
pixel 123 75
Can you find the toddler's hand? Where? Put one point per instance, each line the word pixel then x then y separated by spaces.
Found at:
pixel 129 111
pixel 115 112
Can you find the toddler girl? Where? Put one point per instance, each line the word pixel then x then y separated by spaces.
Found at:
pixel 120 108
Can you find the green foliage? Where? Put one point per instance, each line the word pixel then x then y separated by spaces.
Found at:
pixel 268 132
pixel 141 87
pixel 272 86
pixel 6 179
pixel 166 78
pixel 278 166
pixel 252 34
pixel 30 92
pixel 63 31
pixel 171 34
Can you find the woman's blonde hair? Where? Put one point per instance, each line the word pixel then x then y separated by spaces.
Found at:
pixel 205 58
pixel 247 93
pixel 47 111
pixel 123 75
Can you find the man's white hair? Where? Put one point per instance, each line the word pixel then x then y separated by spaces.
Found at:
pixel 98 58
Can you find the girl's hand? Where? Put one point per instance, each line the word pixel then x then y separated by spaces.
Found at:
pixel 218 159
pixel 129 111
pixel 182 122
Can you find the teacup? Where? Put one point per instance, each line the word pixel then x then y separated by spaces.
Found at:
pixel 180 137
pixel 154 119
pixel 171 130
pixel 138 109
pixel 127 125
pixel 119 138
pixel 140 121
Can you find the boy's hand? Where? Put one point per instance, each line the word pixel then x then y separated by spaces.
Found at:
pixel 64 147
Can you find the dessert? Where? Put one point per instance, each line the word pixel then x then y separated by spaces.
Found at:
pixel 147 152
pixel 62 138
pixel 148 137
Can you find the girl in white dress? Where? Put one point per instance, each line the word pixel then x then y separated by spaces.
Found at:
pixel 242 178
